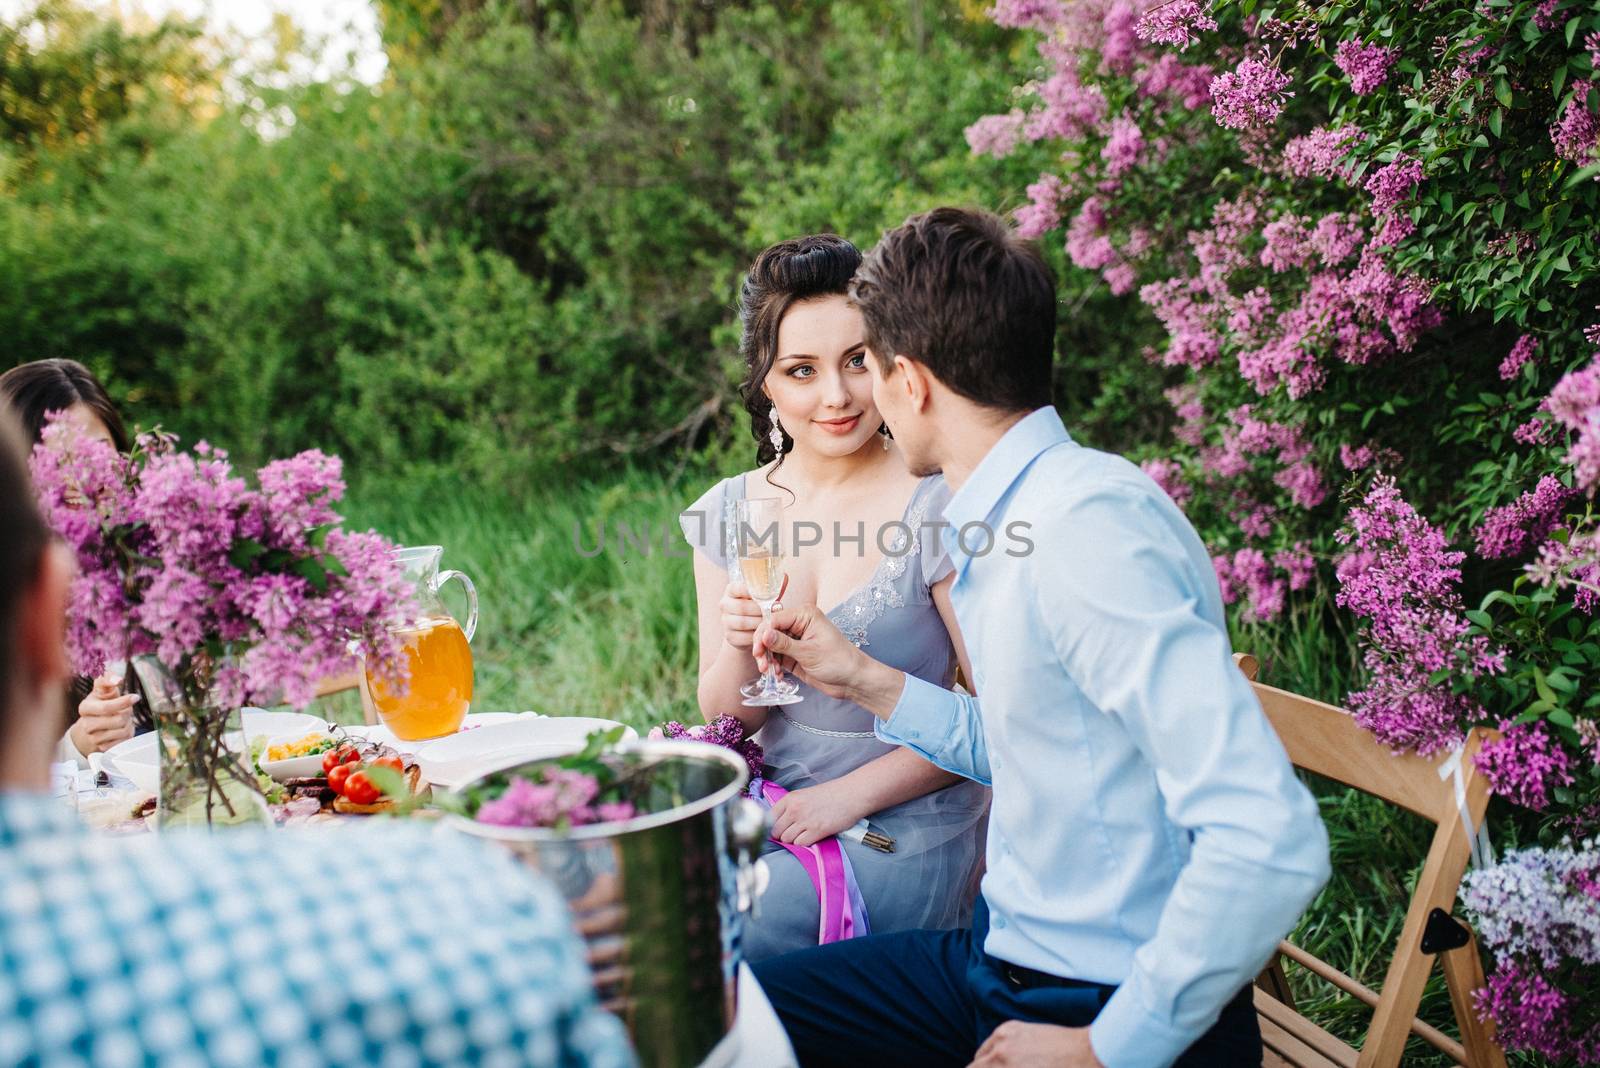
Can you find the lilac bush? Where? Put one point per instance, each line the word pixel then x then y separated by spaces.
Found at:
pixel 1363 239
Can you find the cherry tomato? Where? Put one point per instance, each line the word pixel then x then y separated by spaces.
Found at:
pixel 393 762
pixel 360 790
pixel 343 755
pixel 338 775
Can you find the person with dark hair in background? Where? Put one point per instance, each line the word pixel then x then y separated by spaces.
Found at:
pixel 823 450
pixel 1149 842
pixel 99 714
pixel 231 949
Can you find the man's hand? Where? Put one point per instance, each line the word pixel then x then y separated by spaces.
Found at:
pixel 810 646
pixel 105 717
pixel 807 816
pixel 1015 1044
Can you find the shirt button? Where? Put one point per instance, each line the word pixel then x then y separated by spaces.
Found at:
pixel 999 922
pixel 915 734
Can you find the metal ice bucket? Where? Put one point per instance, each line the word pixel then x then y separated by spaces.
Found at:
pixel 660 899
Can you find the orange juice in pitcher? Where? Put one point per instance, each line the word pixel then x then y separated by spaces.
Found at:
pixel 438 659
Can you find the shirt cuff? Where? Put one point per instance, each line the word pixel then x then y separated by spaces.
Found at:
pixel 1126 1035
pixel 917 719
pixel 66 750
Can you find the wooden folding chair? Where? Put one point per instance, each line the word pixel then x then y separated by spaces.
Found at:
pixel 1326 740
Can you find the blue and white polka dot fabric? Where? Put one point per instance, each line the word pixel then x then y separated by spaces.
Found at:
pixel 383 946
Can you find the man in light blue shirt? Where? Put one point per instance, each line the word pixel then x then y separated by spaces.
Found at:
pixel 1149 842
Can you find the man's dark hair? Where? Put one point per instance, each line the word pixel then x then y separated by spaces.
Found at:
pixel 959 292
pixel 23 537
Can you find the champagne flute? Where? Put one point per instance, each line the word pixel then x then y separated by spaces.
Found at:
pixel 759 523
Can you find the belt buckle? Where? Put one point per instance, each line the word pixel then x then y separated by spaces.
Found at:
pixel 1013 978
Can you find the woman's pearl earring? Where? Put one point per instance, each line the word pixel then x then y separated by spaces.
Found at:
pixel 883 433
pixel 775 435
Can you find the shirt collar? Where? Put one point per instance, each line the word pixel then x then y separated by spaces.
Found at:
pixel 997 472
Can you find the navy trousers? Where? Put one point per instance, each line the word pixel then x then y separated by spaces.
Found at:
pixel 933 997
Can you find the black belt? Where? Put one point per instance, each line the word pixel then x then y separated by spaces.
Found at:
pixel 1022 978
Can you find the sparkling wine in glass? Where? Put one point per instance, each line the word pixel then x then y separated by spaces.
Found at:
pixel 759 522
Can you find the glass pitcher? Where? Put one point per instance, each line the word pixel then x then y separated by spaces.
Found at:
pixel 439 692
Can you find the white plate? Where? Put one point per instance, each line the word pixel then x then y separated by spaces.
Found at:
pixel 462 757
pixel 377 732
pixel 137 758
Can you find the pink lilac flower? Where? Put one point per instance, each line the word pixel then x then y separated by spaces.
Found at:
pixel 1071 109
pixel 1544 16
pixel 1533 432
pixel 1322 152
pixel 1041 213
pixel 726 731
pixel 1336 238
pixel 1186 84
pixel 1524 764
pixel 1028 14
pixel 1182 307
pixel 1592 43
pixel 1577 131
pixel 1520 356
pixel 1304 484
pixel 1088 246
pixel 1356 457
pixel 1392 185
pixel 1298 564
pixel 172 548
pixel 1178 22
pixel 996 135
pixel 1120 278
pixel 1575 404
pixel 1366 65
pixel 1124 147
pixel 1531 1013
pixel 1403 579
pixel 1248 576
pixel 1252 94
pixel 1520 526
pixel 1287 244
pixel 1169 476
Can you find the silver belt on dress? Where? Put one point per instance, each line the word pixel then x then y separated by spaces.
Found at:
pixel 823 731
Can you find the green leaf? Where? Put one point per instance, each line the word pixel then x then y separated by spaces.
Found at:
pixel 313 572
pixel 1561 718
pixel 1495 118
pixel 1497 212
pixel 388 781
pixel 244 553
pixel 1543 687
pixel 1572 29
pixel 1502 91
pixel 1482 619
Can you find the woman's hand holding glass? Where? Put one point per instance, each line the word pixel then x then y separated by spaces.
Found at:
pixel 105 717
pixel 761 551
pixel 741 615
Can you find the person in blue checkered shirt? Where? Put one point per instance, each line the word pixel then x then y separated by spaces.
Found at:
pixel 370 946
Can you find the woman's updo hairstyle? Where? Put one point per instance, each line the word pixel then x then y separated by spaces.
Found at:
pixel 783 275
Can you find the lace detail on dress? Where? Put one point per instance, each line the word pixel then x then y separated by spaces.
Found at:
pixel 862 608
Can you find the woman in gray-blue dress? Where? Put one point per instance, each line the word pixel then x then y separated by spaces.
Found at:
pixel 824 453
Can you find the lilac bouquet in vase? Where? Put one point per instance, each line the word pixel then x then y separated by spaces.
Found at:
pixel 218 593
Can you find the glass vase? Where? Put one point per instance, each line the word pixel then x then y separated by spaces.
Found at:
pixel 206 774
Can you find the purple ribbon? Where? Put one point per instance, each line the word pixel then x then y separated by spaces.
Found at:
pixel 843 911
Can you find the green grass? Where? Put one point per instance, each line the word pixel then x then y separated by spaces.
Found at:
pixel 613 635
pixel 610 634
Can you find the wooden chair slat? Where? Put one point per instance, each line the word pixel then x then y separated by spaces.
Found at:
pixel 1326 740
pixel 1315 1046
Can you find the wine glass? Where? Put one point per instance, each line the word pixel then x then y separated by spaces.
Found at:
pixel 759 523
